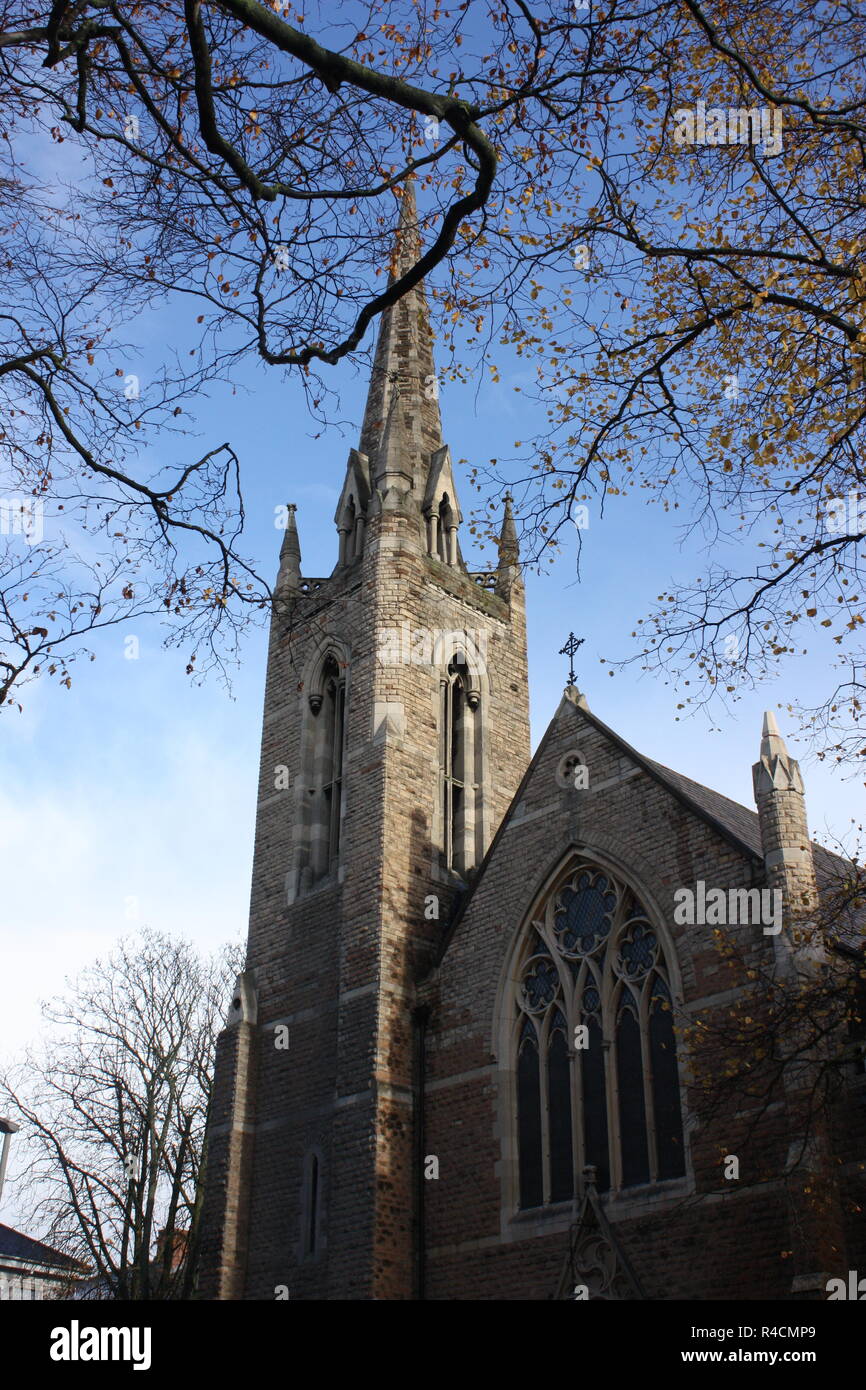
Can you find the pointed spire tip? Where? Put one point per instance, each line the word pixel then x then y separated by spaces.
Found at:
pixel 772 743
pixel 770 726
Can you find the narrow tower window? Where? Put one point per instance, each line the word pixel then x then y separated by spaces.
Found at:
pixel 327 788
pixel 310 1193
pixel 318 827
pixel 452 761
pixel 332 788
pixel 314 1206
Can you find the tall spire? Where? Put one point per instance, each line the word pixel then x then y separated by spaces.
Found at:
pixel 402 466
pixel 403 381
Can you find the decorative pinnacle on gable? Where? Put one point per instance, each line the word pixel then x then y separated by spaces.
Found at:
pixel 402 425
pixel 508 567
pixel 776 770
pixel 509 549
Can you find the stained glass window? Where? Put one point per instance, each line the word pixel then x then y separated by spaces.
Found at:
pixel 632 1108
pixel 666 1091
pixel 559 1108
pixel 596 1062
pixel 529 1119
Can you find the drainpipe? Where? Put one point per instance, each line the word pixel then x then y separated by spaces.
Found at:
pixel 419 1021
pixel 7 1129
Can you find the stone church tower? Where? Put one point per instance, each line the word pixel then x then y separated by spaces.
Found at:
pixel 396 730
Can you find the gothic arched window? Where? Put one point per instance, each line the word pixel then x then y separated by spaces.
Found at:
pixel 595 1052
pixel 332 761
pixel 326 791
pixel 452 761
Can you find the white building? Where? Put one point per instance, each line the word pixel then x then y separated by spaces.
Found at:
pixel 29 1269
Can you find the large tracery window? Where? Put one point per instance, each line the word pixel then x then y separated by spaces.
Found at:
pixel 596 1067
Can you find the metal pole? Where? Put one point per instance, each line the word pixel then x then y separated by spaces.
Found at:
pixel 7 1129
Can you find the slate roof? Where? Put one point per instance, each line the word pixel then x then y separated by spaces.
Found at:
pixel 830 868
pixel 736 820
pixel 15 1245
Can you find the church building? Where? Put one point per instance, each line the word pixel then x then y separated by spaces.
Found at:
pixel 459 1063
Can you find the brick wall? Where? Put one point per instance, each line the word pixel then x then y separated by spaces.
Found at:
pixel 700 1237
